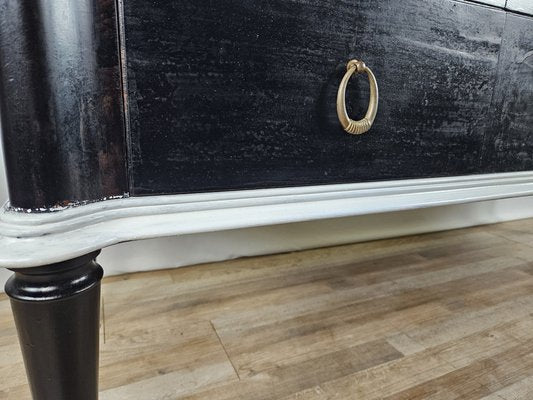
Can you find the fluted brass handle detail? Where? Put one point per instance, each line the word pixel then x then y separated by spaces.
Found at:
pixel 363 125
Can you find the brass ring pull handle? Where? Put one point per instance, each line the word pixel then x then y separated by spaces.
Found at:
pixel 364 125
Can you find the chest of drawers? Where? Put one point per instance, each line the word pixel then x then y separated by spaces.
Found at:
pixel 131 119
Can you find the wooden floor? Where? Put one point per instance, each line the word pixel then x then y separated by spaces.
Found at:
pixel 440 316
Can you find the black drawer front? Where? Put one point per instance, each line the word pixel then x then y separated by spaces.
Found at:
pixel 241 94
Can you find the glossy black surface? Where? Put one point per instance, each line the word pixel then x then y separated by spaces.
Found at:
pixel 56 310
pixel 42 284
pixel 241 93
pixel 61 101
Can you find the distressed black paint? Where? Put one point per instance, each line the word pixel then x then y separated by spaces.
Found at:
pixel 241 93
pixel 509 143
pixel 61 104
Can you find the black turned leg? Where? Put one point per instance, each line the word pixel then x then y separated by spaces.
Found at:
pixel 57 310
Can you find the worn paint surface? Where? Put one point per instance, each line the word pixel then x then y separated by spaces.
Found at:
pixel 509 142
pixel 241 93
pixel 61 102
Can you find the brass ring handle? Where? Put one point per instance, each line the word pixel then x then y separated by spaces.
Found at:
pixel 363 125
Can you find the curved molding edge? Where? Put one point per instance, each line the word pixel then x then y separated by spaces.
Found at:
pixel 31 240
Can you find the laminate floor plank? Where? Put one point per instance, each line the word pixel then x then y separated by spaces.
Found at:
pixel 444 316
pixel 476 380
pixel 420 310
pixel 522 390
pixel 425 370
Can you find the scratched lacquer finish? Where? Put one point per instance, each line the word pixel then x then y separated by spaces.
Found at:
pixel 61 105
pixel 241 93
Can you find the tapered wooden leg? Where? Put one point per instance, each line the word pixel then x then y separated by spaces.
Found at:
pixel 56 309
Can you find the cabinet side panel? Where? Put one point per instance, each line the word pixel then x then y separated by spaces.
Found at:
pixel 61 102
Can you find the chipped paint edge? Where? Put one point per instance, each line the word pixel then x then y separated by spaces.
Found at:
pixel 58 207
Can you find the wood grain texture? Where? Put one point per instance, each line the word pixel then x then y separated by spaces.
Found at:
pixel 439 316
pixel 241 94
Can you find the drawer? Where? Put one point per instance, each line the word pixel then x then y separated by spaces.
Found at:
pixel 241 93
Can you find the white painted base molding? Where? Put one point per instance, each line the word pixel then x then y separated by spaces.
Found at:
pixel 32 239
pixel 178 251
